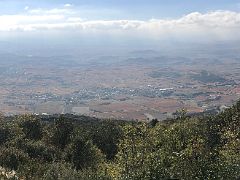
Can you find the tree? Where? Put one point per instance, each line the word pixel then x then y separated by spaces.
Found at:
pixel 106 137
pixel 134 152
pixel 61 171
pixel 83 154
pixel 61 132
pixel 31 126
pixel 12 158
pixel 4 131
pixel 40 151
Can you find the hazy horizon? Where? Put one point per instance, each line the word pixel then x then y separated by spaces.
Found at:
pixel 119 59
pixel 136 24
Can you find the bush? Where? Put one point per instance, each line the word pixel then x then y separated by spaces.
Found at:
pixel 12 158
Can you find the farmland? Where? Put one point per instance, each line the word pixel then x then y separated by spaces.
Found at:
pixel 123 86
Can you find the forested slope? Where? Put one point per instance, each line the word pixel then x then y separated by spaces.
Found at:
pixel 72 147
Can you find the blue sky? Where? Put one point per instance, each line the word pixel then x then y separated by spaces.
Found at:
pixel 130 9
pixel 121 20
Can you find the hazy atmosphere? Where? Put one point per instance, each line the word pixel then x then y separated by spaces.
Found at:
pixel 119 89
pixel 112 58
pixel 120 22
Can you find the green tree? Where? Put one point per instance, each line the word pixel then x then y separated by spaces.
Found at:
pixel 60 171
pixel 134 153
pixel 12 158
pixel 83 154
pixel 60 132
pixel 4 131
pixel 31 126
pixel 106 137
pixel 41 151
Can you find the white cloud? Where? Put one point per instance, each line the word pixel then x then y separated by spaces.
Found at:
pixel 74 19
pixel 26 8
pixel 68 5
pixel 217 24
pixel 51 11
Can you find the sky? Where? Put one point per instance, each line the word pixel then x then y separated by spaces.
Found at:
pixel 120 21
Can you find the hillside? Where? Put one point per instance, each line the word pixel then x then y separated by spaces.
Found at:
pixel 79 147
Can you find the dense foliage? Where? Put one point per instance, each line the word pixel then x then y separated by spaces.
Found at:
pixel 71 147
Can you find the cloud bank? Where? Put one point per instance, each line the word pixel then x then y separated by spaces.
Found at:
pixel 212 25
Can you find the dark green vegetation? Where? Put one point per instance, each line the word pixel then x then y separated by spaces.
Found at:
pixel 207 77
pixel 71 147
